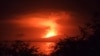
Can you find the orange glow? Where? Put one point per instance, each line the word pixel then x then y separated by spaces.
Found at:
pixel 47 24
pixel 50 34
pixel 45 47
pixel 52 31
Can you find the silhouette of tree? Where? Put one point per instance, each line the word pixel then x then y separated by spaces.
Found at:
pixel 76 46
pixel 18 48
pixel 3 49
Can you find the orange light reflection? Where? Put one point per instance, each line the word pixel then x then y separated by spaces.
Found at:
pixel 46 48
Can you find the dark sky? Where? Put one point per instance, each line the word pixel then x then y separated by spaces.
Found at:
pixel 11 8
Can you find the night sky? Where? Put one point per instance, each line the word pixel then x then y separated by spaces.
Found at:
pixel 80 11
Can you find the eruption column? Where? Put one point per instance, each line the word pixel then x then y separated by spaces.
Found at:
pixel 52 31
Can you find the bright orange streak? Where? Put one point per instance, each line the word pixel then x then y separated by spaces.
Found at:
pixel 52 31
pixel 50 34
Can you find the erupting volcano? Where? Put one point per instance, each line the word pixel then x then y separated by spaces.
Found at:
pixel 43 24
pixel 52 31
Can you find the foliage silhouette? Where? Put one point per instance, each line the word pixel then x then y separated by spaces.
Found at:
pixel 18 48
pixel 86 45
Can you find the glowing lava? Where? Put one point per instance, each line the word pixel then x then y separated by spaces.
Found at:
pixel 50 34
pixel 52 31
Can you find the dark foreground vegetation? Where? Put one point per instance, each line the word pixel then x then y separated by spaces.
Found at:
pixel 16 48
pixel 84 45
